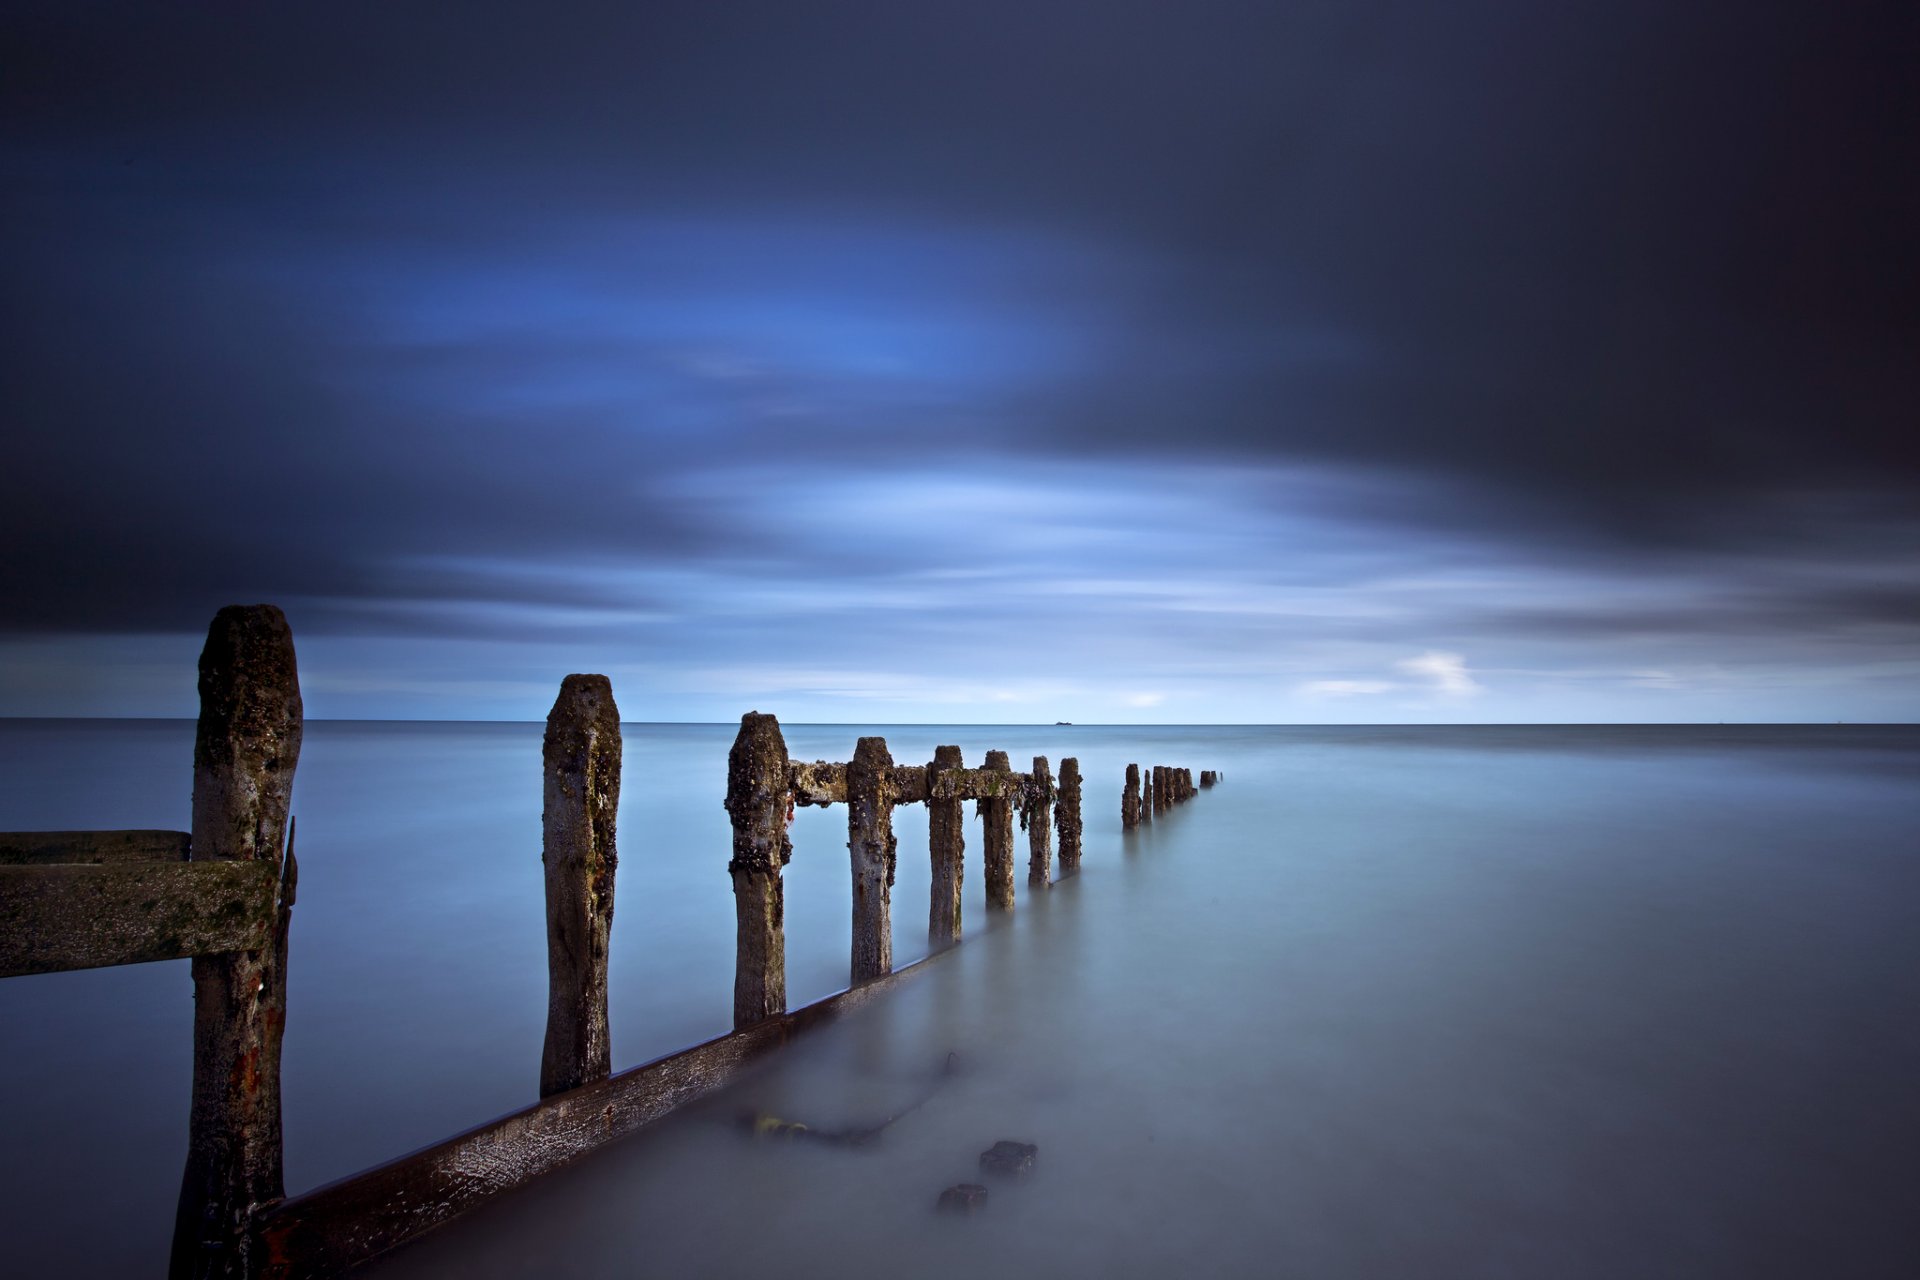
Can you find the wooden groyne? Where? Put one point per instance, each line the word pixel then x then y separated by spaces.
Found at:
pixel 223 894
pixel 1163 788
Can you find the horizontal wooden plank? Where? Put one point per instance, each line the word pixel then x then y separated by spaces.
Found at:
pixel 978 784
pixel 86 917
pixel 48 848
pixel 817 782
pixel 335 1228
pixel 909 782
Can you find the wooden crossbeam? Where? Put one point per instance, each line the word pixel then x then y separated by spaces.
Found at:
pixel 88 916
pixel 53 848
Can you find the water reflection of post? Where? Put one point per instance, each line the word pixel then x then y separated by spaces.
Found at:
pixel 759 801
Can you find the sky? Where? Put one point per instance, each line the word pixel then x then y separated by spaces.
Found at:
pixel 968 362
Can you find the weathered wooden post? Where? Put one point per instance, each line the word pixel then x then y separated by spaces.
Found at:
pixel 1037 815
pixel 1159 788
pixel 759 800
pixel 1068 816
pixel 947 846
pixel 996 825
pixel 244 754
pixel 871 844
pixel 581 755
pixel 1130 799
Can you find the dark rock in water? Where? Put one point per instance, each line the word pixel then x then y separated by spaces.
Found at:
pixel 1009 1159
pixel 966 1198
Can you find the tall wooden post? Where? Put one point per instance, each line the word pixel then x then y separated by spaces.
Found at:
pixel 996 827
pixel 1037 815
pixel 1159 788
pixel 947 847
pixel 1068 816
pixel 760 803
pixel 581 757
pixel 872 847
pixel 1130 799
pixel 244 754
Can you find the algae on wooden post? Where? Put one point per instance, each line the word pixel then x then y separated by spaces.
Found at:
pixel 996 832
pixel 244 754
pixel 1067 816
pixel 947 848
pixel 873 849
pixel 760 803
pixel 1037 815
pixel 581 757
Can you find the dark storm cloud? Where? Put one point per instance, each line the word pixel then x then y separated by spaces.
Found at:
pixel 377 304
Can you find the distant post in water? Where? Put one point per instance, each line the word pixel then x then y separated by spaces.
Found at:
pixel 873 849
pixel 581 763
pixel 1038 815
pixel 996 823
pixel 947 847
pixel 1130 799
pixel 1068 816
pixel 245 751
pixel 759 801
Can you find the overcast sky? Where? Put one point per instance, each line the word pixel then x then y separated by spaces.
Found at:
pixel 976 362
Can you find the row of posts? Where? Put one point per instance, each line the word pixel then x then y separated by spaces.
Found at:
pixel 1165 787
pixel 764 787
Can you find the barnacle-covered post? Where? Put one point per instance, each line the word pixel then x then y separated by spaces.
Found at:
pixel 995 807
pixel 1130 799
pixel 759 800
pixel 582 795
pixel 872 847
pixel 1037 815
pixel 244 754
pixel 946 846
pixel 1068 816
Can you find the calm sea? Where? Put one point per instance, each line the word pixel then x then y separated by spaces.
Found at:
pixel 1389 1002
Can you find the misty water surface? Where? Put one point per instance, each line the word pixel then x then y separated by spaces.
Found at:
pixel 1389 1002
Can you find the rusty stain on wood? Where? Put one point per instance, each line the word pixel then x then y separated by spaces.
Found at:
pixel 244 754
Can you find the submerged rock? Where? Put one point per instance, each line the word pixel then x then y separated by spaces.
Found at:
pixel 1009 1159
pixel 966 1198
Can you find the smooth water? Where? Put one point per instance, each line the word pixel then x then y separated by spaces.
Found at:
pixel 1424 1002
